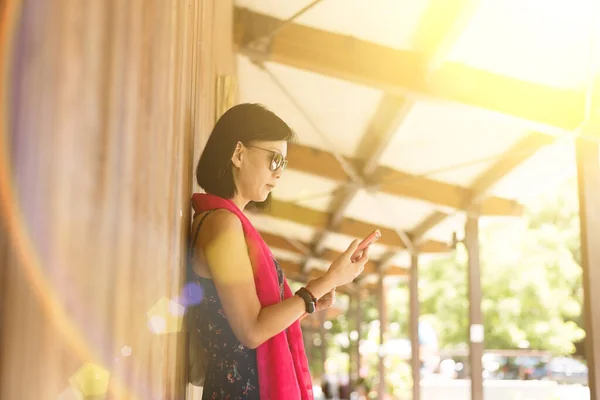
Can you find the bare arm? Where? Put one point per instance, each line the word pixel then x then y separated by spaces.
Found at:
pixel 224 247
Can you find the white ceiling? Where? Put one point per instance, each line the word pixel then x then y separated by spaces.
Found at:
pixel 541 41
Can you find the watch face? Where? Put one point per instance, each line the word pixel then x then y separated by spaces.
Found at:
pixel 310 307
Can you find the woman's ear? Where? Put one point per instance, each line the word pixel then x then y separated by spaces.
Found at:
pixel 238 154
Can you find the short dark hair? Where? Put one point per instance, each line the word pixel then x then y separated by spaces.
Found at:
pixel 241 123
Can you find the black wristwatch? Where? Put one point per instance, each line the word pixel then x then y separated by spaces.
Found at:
pixel 310 301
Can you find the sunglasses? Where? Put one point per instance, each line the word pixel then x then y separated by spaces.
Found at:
pixel 277 161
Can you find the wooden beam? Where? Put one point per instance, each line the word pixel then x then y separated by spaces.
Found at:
pixel 437 30
pixel 432 220
pixel 387 119
pixel 338 205
pixel 401 72
pixel 521 151
pixel 402 184
pixel 294 271
pixel 318 162
pixel 385 122
pixel 278 242
pixel 588 172
pixel 281 243
pixel 397 271
pixel 348 226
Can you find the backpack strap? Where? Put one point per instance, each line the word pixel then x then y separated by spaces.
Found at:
pixel 190 254
pixel 196 362
pixel 195 237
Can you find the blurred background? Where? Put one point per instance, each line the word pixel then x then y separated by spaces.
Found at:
pixel 467 131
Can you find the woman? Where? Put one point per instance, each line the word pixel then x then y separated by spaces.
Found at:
pixel 248 320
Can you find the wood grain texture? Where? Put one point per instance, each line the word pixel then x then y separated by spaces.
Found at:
pixel 106 106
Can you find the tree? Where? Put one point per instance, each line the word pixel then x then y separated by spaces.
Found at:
pixel 531 281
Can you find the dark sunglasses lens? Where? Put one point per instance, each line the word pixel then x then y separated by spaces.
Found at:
pixel 276 161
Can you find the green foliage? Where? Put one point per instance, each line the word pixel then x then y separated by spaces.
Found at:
pixel 531 285
pixel 531 281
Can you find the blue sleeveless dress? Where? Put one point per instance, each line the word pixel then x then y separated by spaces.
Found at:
pixel 231 372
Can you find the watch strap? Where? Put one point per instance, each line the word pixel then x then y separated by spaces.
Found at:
pixel 310 301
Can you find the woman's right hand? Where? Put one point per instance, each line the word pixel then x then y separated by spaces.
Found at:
pixel 343 270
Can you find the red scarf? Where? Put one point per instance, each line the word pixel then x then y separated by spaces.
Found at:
pixel 282 365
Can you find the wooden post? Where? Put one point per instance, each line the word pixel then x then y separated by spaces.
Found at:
pixel 415 362
pixel 475 317
pixel 322 332
pixel 382 328
pixel 358 323
pixel 588 172
pixel 92 233
pixel 352 371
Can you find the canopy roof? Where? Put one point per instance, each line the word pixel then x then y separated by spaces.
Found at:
pixel 411 113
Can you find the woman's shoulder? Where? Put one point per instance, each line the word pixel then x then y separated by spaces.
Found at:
pixel 218 222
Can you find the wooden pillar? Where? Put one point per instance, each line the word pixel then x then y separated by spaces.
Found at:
pixel 382 336
pixel 322 332
pixel 415 362
pixel 475 316
pixel 358 328
pixel 102 104
pixel 352 372
pixel 588 172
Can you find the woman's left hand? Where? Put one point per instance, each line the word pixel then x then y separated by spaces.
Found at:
pixel 326 301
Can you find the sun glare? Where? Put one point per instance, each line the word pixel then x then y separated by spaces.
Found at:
pixel 543 41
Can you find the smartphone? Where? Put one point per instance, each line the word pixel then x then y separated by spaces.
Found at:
pixel 374 236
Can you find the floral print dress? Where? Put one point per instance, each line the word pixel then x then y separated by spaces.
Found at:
pixel 231 371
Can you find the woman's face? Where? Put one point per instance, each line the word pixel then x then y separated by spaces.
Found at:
pixel 254 178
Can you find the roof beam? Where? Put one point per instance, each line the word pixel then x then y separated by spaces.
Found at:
pixel 438 29
pixel 396 183
pixel 338 205
pixel 519 152
pixel 278 242
pixel 294 271
pixel 317 219
pixel 428 223
pixel 389 116
pixel 385 122
pixel 402 72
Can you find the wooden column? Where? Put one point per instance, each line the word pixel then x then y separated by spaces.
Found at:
pixel 382 306
pixel 323 332
pixel 358 328
pixel 415 362
pixel 102 104
pixel 352 372
pixel 475 316
pixel 588 172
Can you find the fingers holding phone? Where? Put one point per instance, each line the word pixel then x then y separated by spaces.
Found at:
pixel 370 239
pixel 362 261
pixel 352 262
